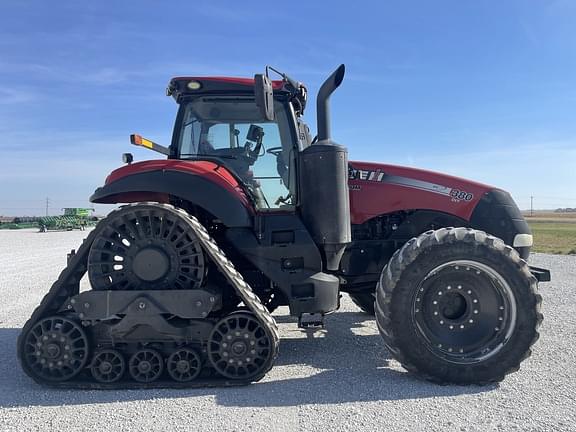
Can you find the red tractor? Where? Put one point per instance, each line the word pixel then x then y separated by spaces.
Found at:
pixel 248 213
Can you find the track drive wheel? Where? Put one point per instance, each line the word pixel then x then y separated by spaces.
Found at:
pixel 146 246
pixel 458 306
pixel 55 349
pixel 364 300
pixel 239 347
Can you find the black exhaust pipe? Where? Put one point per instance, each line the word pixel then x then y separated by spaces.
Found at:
pixel 325 205
pixel 322 102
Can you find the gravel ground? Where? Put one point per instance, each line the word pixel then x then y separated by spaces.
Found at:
pixel 343 380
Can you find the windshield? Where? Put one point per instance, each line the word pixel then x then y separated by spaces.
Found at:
pixel 232 130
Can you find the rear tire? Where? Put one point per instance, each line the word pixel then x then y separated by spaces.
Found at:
pixel 365 301
pixel 458 306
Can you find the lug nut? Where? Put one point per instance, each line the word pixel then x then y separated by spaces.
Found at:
pixel 471 321
pixel 141 305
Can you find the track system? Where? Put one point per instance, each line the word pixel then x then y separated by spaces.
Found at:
pixel 147 261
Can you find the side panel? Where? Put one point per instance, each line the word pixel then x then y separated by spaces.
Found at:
pixel 201 190
pixel 377 189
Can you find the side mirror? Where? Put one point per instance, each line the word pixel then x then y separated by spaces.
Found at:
pixel 264 96
pixel 255 133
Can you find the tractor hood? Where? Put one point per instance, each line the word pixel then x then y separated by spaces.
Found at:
pixel 377 189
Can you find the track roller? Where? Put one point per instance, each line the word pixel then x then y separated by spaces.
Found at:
pixel 146 365
pixel 184 365
pixel 108 366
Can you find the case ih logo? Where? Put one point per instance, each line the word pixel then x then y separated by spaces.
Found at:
pixel 368 175
pixel 454 194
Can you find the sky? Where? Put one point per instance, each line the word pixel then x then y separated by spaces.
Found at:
pixel 480 89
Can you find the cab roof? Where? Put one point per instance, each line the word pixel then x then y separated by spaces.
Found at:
pixel 179 87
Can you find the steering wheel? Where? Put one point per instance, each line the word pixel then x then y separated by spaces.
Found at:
pixel 274 151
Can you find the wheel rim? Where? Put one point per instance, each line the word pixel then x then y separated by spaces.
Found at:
pixel 465 311
pixel 239 347
pixel 184 365
pixel 108 366
pixel 146 247
pixel 146 365
pixel 56 349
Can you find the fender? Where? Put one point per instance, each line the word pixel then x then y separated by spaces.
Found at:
pixel 205 184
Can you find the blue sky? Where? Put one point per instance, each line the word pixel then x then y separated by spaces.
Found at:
pixel 480 89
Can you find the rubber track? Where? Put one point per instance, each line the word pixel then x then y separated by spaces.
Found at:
pixel 68 283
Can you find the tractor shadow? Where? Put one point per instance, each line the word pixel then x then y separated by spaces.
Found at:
pixel 345 363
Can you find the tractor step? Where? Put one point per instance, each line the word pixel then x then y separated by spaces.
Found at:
pixel 311 321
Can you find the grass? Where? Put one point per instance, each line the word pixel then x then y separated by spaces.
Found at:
pixel 553 233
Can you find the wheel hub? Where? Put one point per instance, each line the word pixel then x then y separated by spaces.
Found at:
pixel 52 351
pixel 182 366
pixel 454 306
pixel 239 348
pixel 462 309
pixel 150 264
pixel 105 367
pixel 144 366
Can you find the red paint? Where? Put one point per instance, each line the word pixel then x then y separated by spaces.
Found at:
pixel 276 85
pixel 377 198
pixel 209 170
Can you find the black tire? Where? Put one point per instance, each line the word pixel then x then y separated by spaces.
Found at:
pixel 364 300
pixel 458 306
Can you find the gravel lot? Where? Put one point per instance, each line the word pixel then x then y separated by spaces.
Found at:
pixel 343 380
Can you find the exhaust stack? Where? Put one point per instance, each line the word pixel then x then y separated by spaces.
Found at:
pixel 322 102
pixel 325 205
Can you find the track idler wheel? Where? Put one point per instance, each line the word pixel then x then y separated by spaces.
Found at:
pixel 146 246
pixel 108 366
pixel 146 365
pixel 55 349
pixel 184 365
pixel 239 347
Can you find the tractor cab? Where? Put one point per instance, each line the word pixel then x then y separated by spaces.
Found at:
pixel 219 120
